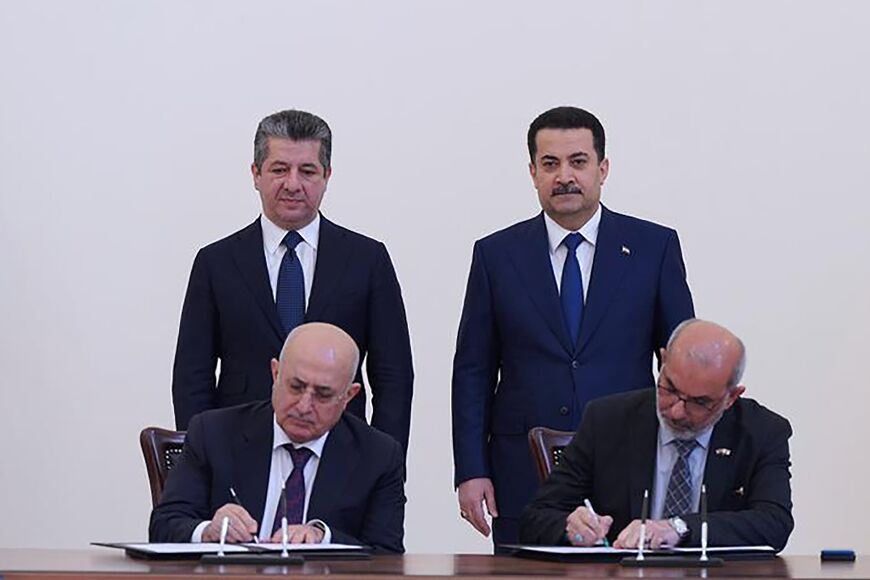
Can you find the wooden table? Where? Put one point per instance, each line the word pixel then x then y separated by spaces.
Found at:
pixel 106 563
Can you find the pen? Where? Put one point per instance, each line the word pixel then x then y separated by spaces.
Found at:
pixel 588 505
pixel 239 503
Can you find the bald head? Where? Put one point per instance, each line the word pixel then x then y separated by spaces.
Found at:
pixel 318 341
pixel 709 346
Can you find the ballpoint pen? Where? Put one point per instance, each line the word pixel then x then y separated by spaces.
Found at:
pixel 239 503
pixel 589 507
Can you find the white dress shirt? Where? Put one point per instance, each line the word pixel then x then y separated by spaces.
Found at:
pixel 666 457
pixel 306 251
pixel 280 469
pixel 585 251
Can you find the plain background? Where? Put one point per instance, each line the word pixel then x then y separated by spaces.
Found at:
pixel 125 142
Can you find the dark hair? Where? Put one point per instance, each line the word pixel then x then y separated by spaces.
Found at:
pixel 567 118
pixel 294 125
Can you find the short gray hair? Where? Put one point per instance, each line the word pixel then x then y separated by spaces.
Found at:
pixel 736 372
pixel 297 126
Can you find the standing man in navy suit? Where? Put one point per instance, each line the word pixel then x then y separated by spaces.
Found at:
pixel 342 481
pixel 562 308
pixel 292 265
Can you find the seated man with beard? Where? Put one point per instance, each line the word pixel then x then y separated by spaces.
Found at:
pixel 693 429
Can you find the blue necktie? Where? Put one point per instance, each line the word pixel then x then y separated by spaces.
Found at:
pixel 571 290
pixel 290 294
pixel 678 497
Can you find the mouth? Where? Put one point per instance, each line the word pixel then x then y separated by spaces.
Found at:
pixel 567 190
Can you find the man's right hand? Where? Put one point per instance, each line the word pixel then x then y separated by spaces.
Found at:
pixel 241 529
pixel 585 529
pixel 472 493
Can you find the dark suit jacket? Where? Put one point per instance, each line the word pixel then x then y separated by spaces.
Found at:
pixel 611 461
pixel 229 314
pixel 358 490
pixel 515 367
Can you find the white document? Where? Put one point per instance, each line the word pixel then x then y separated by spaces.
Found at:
pixel 186 548
pixel 601 550
pixel 302 547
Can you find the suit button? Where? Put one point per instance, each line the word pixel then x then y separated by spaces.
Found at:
pixel 564 410
pixel 574 364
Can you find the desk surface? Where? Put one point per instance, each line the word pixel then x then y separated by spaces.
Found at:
pixel 107 563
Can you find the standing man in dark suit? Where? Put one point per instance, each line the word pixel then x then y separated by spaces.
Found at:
pixel 560 309
pixel 343 480
pixel 693 429
pixel 292 265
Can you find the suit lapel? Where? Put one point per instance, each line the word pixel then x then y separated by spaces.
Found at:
pixel 333 254
pixel 252 460
pixel 337 466
pixel 248 255
pixel 642 442
pixel 608 269
pixel 530 253
pixel 721 458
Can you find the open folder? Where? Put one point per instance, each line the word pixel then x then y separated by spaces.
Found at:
pixel 187 551
pixel 575 553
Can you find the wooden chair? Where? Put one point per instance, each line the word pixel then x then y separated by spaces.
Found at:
pixel 547 445
pixel 161 449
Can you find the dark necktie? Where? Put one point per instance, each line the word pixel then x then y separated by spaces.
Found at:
pixel 294 489
pixel 290 294
pixel 678 500
pixel 571 288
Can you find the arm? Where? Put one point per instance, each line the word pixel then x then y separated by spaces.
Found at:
pixel 475 373
pixel 193 375
pixel 185 500
pixel 767 519
pixel 544 521
pixel 674 300
pixel 388 364
pixel 383 522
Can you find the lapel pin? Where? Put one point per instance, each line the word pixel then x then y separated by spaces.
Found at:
pixel 626 251
pixel 723 451
pixel 739 491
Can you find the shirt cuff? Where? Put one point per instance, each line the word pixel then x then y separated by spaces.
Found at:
pixel 327 533
pixel 196 536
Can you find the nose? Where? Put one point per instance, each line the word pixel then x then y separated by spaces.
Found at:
pixel 291 180
pixel 678 409
pixel 303 405
pixel 565 175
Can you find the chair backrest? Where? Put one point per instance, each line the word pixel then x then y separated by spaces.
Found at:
pixel 161 448
pixel 547 445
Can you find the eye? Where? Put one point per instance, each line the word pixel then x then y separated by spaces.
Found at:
pixel 279 170
pixel 701 401
pixel 578 162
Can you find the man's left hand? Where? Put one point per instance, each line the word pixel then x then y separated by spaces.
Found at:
pixel 659 534
pixel 299 534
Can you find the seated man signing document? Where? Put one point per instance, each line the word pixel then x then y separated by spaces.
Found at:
pixel 344 480
pixel 693 429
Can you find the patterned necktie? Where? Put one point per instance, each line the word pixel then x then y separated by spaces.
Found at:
pixel 678 500
pixel 290 294
pixel 294 489
pixel 571 289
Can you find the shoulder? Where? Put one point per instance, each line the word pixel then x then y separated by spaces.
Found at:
pixel 331 232
pixel 759 421
pixel 368 440
pixel 227 422
pixel 513 232
pixel 250 233
pixel 637 226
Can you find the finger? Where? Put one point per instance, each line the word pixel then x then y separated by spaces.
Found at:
pixel 476 518
pixel 623 540
pixel 489 497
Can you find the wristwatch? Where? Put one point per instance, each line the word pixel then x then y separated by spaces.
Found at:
pixel 680 526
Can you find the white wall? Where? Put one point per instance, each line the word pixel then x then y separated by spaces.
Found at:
pixel 125 140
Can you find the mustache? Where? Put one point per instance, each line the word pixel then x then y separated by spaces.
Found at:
pixel 567 189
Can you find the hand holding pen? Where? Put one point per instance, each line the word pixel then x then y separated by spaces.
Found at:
pixel 584 527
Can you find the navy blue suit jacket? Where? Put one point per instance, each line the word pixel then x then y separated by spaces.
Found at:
pixel 515 366
pixel 358 490
pixel 611 461
pixel 229 314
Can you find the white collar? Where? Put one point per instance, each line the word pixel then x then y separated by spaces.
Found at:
pixel 273 235
pixel 279 439
pixel 556 233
